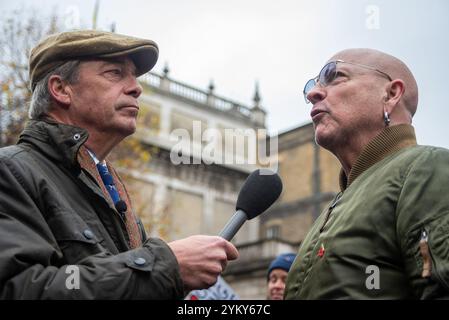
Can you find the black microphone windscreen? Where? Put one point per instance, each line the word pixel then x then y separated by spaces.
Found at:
pixel 260 190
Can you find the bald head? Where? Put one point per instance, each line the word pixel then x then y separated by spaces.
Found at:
pixel 388 64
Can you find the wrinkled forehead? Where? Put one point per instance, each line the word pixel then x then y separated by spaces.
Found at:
pixel 361 56
pixel 124 62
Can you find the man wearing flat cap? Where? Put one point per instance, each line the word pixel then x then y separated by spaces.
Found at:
pixel 67 227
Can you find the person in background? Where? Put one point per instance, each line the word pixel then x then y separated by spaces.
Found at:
pixel 277 274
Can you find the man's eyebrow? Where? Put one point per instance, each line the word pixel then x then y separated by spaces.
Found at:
pixel 120 62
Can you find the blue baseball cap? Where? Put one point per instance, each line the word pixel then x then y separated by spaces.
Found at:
pixel 283 261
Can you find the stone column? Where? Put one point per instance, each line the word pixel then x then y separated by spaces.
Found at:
pixel 159 206
pixel 165 120
pixel 208 211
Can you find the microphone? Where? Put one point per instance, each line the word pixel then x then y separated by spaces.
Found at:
pixel 260 190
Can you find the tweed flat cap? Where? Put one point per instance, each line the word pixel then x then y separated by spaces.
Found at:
pixel 57 49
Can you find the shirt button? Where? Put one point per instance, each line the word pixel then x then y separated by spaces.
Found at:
pixel 140 261
pixel 88 234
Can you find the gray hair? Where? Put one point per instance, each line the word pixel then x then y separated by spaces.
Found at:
pixel 41 98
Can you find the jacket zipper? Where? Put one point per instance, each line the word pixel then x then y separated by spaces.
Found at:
pixel 425 254
pixel 329 210
pixel 428 259
pixel 308 267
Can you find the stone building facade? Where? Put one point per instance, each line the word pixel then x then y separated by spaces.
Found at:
pixel 176 200
pixel 185 189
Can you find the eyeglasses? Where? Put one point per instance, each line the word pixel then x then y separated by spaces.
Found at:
pixel 329 73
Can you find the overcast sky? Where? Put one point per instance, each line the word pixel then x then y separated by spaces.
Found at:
pixel 281 44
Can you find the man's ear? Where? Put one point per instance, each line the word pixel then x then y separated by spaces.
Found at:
pixel 58 89
pixel 395 91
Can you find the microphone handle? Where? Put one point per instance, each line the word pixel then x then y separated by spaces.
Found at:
pixel 233 225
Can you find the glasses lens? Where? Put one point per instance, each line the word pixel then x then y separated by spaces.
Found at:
pixel 327 74
pixel 309 86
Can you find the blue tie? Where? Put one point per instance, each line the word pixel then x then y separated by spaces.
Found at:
pixel 108 182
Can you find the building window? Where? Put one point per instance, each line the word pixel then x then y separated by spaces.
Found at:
pixel 273 232
pixel 150 116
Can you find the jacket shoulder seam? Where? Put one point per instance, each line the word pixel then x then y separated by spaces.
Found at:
pixel 10 152
pixel 6 161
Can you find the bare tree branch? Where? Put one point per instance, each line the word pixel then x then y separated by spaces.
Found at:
pixel 21 30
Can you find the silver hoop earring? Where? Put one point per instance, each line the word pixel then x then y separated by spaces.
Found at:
pixel 386 119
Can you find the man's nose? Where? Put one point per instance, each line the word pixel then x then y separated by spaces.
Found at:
pixel 134 87
pixel 279 284
pixel 317 94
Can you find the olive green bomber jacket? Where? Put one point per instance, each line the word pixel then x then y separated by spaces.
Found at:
pixel 386 235
pixel 55 215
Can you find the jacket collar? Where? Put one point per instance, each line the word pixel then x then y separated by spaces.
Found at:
pixel 390 140
pixel 58 141
pixel 64 143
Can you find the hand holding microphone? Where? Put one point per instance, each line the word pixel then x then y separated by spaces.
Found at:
pixel 202 258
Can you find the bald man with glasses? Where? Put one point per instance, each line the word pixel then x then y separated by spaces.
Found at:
pixel 386 233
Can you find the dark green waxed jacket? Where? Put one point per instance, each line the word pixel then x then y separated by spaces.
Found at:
pixel 53 216
pixel 386 235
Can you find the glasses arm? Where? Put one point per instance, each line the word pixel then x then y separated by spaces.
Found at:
pixel 365 66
